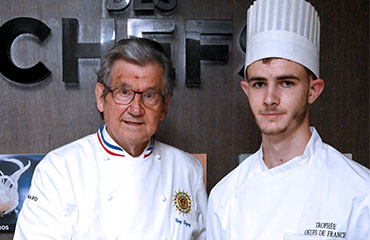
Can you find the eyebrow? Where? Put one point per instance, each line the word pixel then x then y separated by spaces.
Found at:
pixel 128 86
pixel 279 78
pixel 288 76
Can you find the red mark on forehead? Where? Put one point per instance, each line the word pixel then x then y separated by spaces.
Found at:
pixel 128 75
pixel 139 77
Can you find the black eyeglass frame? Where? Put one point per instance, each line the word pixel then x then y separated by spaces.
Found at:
pixel 135 92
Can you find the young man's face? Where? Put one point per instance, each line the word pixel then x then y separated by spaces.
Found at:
pixel 279 93
pixel 132 125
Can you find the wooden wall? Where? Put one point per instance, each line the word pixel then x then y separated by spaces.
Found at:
pixel 213 119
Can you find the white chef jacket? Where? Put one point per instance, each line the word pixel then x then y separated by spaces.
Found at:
pixel 92 189
pixel 319 195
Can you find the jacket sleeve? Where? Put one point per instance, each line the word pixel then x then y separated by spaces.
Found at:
pixel 201 198
pixel 45 213
pixel 359 223
pixel 214 229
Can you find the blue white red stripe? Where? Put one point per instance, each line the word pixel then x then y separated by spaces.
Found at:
pixel 114 149
pixel 149 150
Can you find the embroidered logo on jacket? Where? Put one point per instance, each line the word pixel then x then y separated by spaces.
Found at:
pixel 182 202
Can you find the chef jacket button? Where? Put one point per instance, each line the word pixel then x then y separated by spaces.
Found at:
pixel 110 197
pixel 163 198
pixel 158 157
pixel 106 158
pixel 236 195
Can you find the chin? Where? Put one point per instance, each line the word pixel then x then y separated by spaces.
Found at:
pixel 273 131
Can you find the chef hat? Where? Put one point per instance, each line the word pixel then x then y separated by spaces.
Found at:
pixel 287 29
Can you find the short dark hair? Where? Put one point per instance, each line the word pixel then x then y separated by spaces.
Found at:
pixel 140 51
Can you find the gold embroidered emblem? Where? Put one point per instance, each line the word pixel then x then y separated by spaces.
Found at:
pixel 182 202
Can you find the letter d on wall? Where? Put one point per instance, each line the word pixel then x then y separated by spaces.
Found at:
pixel 9 31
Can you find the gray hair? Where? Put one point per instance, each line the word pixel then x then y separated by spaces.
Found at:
pixel 140 51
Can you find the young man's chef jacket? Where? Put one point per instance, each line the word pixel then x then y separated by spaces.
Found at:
pixel 319 195
pixel 92 189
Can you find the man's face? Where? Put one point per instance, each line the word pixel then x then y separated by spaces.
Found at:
pixel 278 94
pixel 132 125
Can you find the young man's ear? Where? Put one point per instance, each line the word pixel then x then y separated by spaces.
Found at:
pixel 316 87
pixel 245 86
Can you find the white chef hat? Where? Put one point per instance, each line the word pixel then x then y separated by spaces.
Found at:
pixel 287 29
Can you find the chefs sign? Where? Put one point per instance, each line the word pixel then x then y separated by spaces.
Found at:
pixel 72 49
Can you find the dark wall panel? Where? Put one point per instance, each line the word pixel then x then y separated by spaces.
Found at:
pixel 342 113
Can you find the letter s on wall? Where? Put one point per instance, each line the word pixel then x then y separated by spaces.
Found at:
pixel 9 31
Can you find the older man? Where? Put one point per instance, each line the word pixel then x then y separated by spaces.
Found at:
pixel 295 186
pixel 120 183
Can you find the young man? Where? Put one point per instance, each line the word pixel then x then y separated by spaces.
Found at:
pixel 295 186
pixel 120 183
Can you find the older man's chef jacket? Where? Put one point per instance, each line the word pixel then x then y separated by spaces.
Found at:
pixel 319 195
pixel 92 189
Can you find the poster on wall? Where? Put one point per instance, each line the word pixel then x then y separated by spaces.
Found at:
pixel 16 172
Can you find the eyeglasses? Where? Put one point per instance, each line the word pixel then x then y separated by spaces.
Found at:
pixel 124 96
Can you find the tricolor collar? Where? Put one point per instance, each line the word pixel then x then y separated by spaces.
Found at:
pixel 112 148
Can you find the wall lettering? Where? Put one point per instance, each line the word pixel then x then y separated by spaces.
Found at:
pixel 142 6
pixel 195 51
pixel 117 5
pixel 73 50
pixel 148 6
pixel 205 40
pixel 242 44
pixel 9 31
pixel 138 27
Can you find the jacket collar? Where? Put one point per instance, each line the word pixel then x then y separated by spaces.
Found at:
pixel 112 148
pixel 312 146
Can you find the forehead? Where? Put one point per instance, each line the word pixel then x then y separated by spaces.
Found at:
pixel 276 67
pixel 129 74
